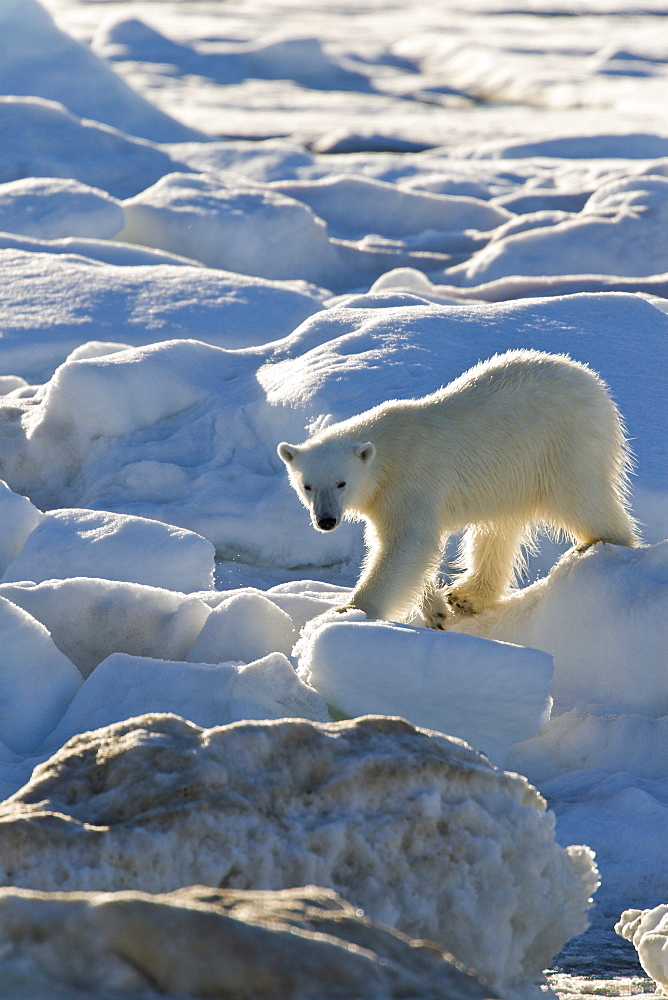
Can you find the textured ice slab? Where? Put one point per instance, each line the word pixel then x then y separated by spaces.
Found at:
pixel 294 944
pixel 648 932
pixel 419 831
pixel 490 694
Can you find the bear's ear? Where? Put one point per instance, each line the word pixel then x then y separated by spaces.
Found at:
pixel 287 451
pixel 365 452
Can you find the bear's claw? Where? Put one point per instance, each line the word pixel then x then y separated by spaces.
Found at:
pixel 460 604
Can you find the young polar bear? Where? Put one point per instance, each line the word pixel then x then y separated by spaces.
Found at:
pixel 521 440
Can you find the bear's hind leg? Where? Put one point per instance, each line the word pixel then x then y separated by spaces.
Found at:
pixel 588 522
pixel 490 554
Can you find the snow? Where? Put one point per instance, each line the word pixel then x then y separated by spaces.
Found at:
pixel 222 228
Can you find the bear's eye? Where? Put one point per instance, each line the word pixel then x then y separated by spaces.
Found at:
pixel 340 485
pixel 307 488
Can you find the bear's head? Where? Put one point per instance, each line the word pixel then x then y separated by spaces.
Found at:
pixel 329 477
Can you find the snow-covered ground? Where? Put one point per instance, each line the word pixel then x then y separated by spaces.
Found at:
pixel 222 226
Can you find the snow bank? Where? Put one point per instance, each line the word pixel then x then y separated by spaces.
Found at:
pixel 36 52
pixel 648 932
pixel 488 693
pixel 417 830
pixel 69 543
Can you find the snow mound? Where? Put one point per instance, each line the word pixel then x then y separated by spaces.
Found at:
pixel 598 613
pixel 244 626
pixel 50 208
pixel 234 225
pixel 274 57
pixel 68 543
pixel 71 148
pixel 417 830
pixel 359 205
pixel 621 213
pixel 42 138
pixel 34 55
pixel 648 932
pixel 488 693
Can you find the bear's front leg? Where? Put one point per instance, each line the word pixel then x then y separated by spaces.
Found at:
pixel 434 608
pixel 399 563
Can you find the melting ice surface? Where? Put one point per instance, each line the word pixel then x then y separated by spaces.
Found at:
pixel 222 228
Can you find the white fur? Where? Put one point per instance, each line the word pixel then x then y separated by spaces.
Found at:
pixel 521 440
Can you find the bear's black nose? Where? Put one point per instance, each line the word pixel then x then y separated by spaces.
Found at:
pixel 327 523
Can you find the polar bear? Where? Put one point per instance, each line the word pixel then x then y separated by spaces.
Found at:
pixel 525 439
